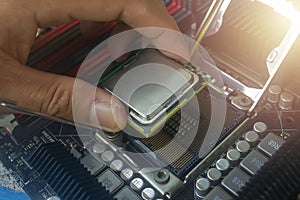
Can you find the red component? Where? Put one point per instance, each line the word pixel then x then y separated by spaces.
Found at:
pixel 68 49
pixel 175 6
pixel 172 5
pixel 51 35
pixel 60 54
pixel 92 62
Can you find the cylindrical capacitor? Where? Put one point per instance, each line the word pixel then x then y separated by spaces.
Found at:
pixel 223 165
pixel 274 93
pixel 116 165
pixel 202 187
pixel 286 101
pixel 233 156
pixel 107 156
pixel 148 194
pixel 137 183
pixel 99 148
pixel 214 175
pixel 251 137
pixel 243 147
pixel 126 174
pixel 260 127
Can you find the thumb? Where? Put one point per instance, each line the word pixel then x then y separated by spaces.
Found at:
pixel 53 95
pixel 93 106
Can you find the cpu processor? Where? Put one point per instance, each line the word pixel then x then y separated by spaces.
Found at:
pixel 152 88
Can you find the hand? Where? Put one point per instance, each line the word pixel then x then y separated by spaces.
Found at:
pixel 51 94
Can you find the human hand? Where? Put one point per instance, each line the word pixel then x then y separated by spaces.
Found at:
pixel 51 94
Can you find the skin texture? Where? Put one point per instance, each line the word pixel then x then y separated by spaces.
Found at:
pixel 52 94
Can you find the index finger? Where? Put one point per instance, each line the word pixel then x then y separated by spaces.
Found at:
pixel 135 13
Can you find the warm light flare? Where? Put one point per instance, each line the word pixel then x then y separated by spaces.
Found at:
pixel 284 8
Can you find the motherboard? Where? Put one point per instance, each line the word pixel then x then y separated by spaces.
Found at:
pixel 251 155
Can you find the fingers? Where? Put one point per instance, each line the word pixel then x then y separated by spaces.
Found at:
pixel 52 95
pixel 135 13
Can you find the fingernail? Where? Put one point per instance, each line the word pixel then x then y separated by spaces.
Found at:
pixel 119 115
pixel 111 118
pixel 103 116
